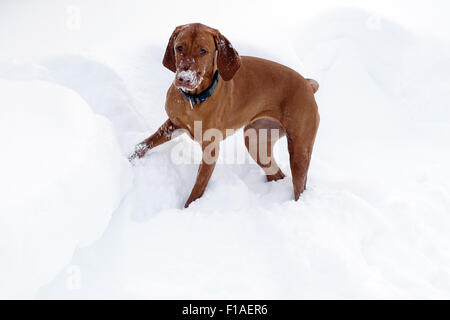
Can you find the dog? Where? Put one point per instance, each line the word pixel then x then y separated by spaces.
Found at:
pixel 221 90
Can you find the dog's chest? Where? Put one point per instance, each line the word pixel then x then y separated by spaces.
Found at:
pixel 200 118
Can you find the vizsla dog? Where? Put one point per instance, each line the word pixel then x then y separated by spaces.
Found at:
pixel 218 89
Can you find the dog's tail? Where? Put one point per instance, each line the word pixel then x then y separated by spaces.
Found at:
pixel 314 84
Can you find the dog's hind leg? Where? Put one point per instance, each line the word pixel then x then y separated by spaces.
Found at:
pixel 301 136
pixel 260 137
pixel 299 161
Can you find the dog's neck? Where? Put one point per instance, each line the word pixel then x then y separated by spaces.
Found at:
pixel 202 95
pixel 204 85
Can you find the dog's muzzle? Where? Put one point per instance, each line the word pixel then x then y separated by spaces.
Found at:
pixel 187 80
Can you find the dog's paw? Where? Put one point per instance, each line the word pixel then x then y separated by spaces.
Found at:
pixel 132 158
pixel 275 177
pixel 188 202
pixel 139 152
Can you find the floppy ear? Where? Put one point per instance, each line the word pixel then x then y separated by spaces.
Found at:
pixel 169 56
pixel 228 60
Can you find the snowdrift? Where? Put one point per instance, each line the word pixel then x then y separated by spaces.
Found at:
pixel 62 177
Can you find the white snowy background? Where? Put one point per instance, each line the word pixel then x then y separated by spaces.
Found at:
pixel 82 81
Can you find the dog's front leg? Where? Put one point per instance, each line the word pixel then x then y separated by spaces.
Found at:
pixel 162 135
pixel 209 159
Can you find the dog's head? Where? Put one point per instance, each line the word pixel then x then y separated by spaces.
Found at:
pixel 195 51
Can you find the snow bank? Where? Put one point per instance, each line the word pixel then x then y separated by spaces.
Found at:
pixel 93 80
pixel 62 176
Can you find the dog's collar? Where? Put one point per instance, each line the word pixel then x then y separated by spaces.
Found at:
pixel 204 95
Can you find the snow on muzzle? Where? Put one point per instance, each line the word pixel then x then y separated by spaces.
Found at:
pixel 187 80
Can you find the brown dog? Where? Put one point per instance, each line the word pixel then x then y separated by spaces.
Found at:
pixel 261 95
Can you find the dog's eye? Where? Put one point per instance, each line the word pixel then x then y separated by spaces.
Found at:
pixel 203 52
pixel 180 48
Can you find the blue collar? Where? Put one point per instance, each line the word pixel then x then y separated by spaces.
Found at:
pixel 202 96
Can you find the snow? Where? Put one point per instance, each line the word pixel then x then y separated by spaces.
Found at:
pixel 373 222
pixel 190 76
pixel 62 177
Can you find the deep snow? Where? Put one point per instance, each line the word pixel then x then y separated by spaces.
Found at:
pixel 373 222
pixel 62 178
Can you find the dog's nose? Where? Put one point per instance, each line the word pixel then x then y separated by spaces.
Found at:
pixel 182 78
pixel 185 68
pixel 186 76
